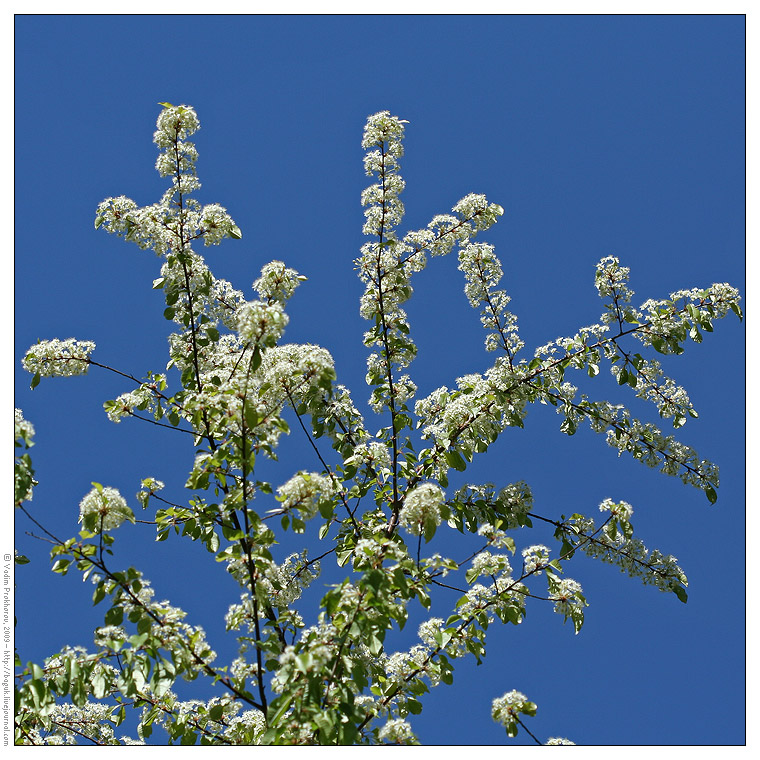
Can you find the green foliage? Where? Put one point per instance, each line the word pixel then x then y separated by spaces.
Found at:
pixel 372 501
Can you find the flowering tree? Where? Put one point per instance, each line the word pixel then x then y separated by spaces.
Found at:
pixel 375 502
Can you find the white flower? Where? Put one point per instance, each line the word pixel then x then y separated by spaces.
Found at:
pixel 566 598
pixel 422 508
pixel 262 323
pixel 217 224
pixel 428 630
pixel 396 731
pixel 175 123
pixel 486 563
pixel 303 492
pixel 104 509
pixel 107 634
pixel 506 709
pixel 59 358
pixel 620 510
pixel 24 430
pixel 535 558
pixel 277 282
pixel 384 128
pixel 149 487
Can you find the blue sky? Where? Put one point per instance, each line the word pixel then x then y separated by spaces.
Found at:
pixel 599 135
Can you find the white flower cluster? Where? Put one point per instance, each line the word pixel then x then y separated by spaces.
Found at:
pixel 317 646
pixel 667 322
pixel 496 537
pixel 652 385
pixel 579 351
pixel 483 507
pixel 175 123
pixel 106 636
pixel 303 492
pixel 386 266
pixel 288 581
pixel 446 415
pixel 216 224
pixel 645 442
pixel 505 597
pixel 287 373
pixel 622 511
pixel 396 731
pixel 296 369
pixel 406 668
pixel 23 474
pixel 616 545
pixel 421 511
pixel 471 417
pixel 188 643
pixel 277 282
pixel 506 709
pixel 336 414
pixel 430 630
pixel 260 323
pixel 149 487
pixel 143 398
pixel 58 358
pixel 483 272
pixel 488 564
pixel 384 134
pixel 472 214
pixel 24 430
pixel 535 558
pixel 104 508
pixel 515 501
pixel 276 585
pixel 374 455
pixel 567 596
pixel 69 723
pixel 172 223
pixel 403 388
pixel 557 740
pixel 611 279
pixel 232 726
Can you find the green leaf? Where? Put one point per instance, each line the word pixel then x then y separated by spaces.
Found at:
pixel 430 528
pixel 99 594
pixel 455 460
pixel 414 706
pixel 35 381
pixel 252 419
pixel 680 592
pixel 138 639
pixel 711 495
pixel 114 616
pixel 61 566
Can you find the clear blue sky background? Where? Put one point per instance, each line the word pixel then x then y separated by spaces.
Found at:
pixel 615 135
